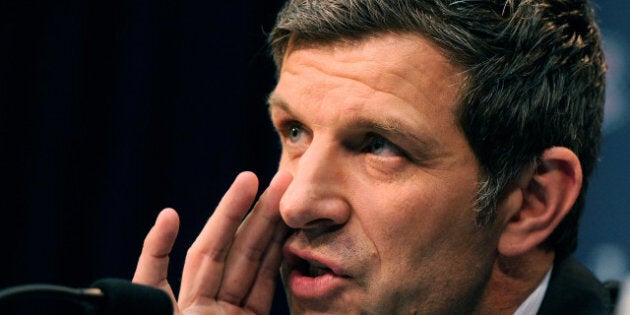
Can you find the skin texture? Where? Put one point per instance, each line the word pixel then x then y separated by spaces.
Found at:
pixel 394 215
pixel 375 186
pixel 226 271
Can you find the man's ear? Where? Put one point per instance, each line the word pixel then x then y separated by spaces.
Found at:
pixel 540 201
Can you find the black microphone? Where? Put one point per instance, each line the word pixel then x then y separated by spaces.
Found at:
pixel 121 297
pixel 105 297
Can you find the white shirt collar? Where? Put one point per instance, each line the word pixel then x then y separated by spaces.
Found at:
pixel 531 305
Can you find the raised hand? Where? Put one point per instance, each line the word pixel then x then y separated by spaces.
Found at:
pixel 232 265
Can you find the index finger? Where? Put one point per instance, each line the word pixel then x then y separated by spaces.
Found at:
pixel 254 241
pixel 152 268
pixel 205 260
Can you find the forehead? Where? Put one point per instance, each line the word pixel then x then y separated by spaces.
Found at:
pixel 373 47
pixel 386 69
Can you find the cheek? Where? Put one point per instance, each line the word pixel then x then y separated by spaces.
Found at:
pixel 411 213
pixel 423 237
pixel 414 222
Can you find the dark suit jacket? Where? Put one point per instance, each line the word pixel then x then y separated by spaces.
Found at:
pixel 573 289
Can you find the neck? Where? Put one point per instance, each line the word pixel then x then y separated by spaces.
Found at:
pixel 513 279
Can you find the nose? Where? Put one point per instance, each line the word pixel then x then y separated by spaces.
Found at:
pixel 315 198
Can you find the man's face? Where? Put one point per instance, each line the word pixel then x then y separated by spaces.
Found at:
pixel 384 180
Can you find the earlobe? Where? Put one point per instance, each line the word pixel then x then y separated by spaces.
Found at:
pixel 547 195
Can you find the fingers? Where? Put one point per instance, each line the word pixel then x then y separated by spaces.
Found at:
pixel 152 268
pixel 261 294
pixel 205 261
pixel 258 244
pixel 223 263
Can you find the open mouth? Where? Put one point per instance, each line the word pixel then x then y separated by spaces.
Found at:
pixel 312 269
pixel 313 277
pixel 308 266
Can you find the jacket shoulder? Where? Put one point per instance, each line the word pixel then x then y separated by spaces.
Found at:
pixel 573 289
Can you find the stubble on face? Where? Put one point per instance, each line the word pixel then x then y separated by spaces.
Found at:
pixel 409 240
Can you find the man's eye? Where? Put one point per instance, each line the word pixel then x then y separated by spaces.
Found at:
pixel 294 133
pixel 378 145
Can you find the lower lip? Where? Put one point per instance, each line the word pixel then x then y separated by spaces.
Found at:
pixel 314 287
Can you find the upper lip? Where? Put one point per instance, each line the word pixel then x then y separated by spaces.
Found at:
pixel 296 257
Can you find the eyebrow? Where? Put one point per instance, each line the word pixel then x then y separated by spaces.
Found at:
pixel 275 100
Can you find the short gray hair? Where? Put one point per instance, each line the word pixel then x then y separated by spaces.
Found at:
pixel 535 76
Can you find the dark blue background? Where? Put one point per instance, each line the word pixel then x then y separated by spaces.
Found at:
pixel 113 110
